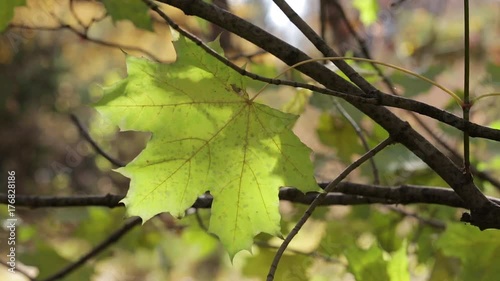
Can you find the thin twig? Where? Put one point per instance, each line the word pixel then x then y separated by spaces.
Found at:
pixel 427 221
pixel 364 48
pixel 321 45
pixel 467 104
pixel 80 22
pixel 200 222
pixel 96 147
pixel 313 254
pixel 85 36
pixel 73 12
pixel 264 244
pixel 113 238
pixel 331 187
pixel 397 3
pixel 361 136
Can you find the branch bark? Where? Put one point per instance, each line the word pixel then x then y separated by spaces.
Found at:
pixel 347 193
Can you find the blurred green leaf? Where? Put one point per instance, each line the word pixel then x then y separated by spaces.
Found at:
pixel 263 69
pixel 26 233
pixel 48 261
pixel 393 163
pixel 478 251
pixel 293 267
pixel 7 11
pixel 414 86
pixel 335 131
pixel 398 265
pixel 299 210
pixel 327 103
pixel 200 242
pixel 495 125
pixel 444 268
pixel 338 237
pixel 298 103
pixel 98 223
pixel 492 73
pixel 367 265
pixel 375 264
pixel 384 229
pixel 135 11
pixel 368 10
pixel 424 239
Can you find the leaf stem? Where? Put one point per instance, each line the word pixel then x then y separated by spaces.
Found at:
pixel 404 70
pixel 474 100
pixel 329 188
pixel 466 104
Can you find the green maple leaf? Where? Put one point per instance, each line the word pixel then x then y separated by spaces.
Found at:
pixel 207 135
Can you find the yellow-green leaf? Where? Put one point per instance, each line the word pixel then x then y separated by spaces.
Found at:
pixel 207 135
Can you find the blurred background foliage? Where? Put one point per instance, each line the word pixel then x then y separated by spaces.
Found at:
pixel 48 71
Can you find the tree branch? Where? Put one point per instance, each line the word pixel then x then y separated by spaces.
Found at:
pixel 85 36
pixel 484 213
pixel 347 193
pixel 113 238
pixel 366 52
pixel 97 148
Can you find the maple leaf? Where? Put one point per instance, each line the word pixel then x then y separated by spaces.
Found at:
pixel 207 135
